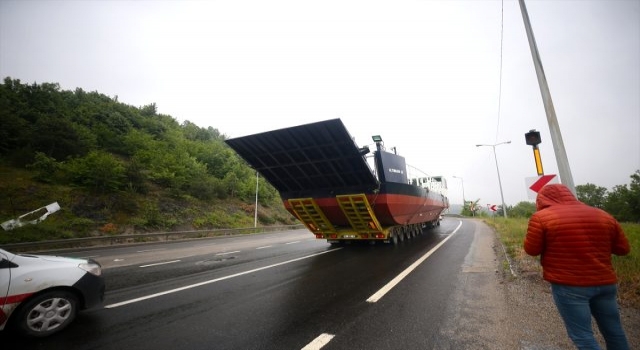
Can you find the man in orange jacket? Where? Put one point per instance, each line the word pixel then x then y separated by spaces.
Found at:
pixel 575 242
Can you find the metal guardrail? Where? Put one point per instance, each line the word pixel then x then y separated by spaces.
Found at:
pixel 140 238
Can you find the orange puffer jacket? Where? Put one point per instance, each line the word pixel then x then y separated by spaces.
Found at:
pixel 575 240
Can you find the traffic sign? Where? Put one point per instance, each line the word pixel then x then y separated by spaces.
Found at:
pixel 535 184
pixel 493 208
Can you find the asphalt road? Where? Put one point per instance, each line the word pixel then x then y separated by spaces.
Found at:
pixel 290 291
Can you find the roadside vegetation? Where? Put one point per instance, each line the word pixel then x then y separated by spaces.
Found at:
pixel 511 232
pixel 118 169
pixel 623 202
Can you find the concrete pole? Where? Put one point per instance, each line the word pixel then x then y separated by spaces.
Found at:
pixel 556 137
pixel 255 219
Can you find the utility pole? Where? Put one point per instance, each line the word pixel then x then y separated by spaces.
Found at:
pixel 255 219
pixel 556 137
pixel 504 206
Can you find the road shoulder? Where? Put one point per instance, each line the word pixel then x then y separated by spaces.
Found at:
pixel 503 304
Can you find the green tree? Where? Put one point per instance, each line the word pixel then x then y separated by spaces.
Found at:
pixel 522 210
pixel 45 167
pixel 136 177
pixel 98 170
pixel 12 126
pixel 634 196
pixel 471 208
pixel 136 141
pixel 58 137
pixel 592 195
pixel 624 202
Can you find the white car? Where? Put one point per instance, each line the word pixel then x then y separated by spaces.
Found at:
pixel 41 295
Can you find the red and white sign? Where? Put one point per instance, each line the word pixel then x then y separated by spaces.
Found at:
pixel 493 208
pixel 535 184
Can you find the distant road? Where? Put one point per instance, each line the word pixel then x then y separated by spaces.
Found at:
pixel 282 290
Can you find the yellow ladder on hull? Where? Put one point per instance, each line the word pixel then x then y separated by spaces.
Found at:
pixel 310 214
pixel 358 211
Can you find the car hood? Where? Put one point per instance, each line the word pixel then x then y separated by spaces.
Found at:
pixel 53 258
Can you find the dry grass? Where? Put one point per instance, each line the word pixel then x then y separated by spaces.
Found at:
pixel 511 233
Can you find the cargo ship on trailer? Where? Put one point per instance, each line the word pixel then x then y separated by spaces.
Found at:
pixel 342 192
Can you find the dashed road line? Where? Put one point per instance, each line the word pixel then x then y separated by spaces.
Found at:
pixel 161 263
pixel 150 296
pixel 227 253
pixel 320 341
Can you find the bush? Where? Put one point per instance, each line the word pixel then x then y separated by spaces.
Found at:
pixel 98 170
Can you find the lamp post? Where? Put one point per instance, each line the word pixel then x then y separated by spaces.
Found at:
pixel 504 207
pixel 464 202
pixel 462 182
pixel 255 219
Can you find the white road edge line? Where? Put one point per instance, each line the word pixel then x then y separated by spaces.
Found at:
pixel 318 343
pixel 162 263
pixel 111 306
pixel 384 290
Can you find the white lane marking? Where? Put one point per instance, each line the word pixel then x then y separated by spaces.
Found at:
pixel 227 253
pixel 318 343
pixel 384 290
pixel 264 247
pixel 214 280
pixel 162 263
pixel 150 250
pixel 294 242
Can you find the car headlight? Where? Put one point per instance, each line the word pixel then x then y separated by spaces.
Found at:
pixel 91 267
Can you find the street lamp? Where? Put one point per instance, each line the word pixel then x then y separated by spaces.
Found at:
pixel 464 202
pixel 462 181
pixel 255 219
pixel 504 207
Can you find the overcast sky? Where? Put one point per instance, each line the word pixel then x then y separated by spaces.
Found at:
pixel 429 76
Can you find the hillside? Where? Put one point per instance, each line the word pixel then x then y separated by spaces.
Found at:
pixel 84 214
pixel 116 169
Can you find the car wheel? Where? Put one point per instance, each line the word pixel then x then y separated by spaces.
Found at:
pixel 47 313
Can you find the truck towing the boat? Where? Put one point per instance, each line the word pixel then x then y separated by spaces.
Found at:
pixel 325 180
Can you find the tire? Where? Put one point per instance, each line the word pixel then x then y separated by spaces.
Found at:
pixel 46 313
